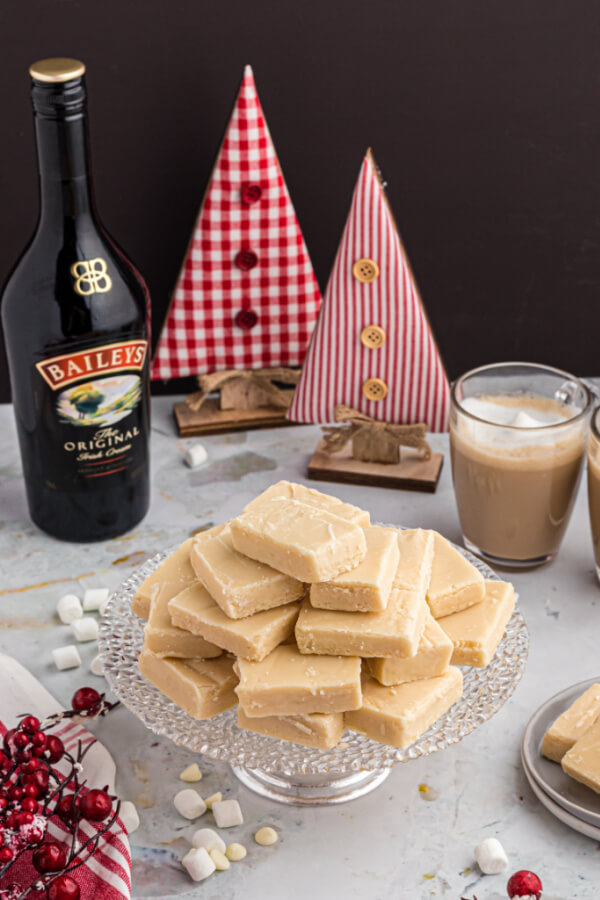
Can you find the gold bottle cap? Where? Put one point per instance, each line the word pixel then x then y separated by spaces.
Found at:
pixel 57 69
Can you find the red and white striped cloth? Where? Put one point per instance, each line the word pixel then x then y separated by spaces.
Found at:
pixel 200 333
pixel 337 364
pixel 107 875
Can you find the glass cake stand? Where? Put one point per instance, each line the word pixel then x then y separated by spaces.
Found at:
pixel 290 773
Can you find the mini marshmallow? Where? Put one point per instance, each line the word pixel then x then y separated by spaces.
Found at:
pixel 198 864
pixel 66 657
pixel 209 839
pixel 227 813
pixel 266 836
pixel 490 856
pixel 94 598
pixel 85 629
pixel 189 804
pixel 128 815
pixel 195 455
pixel 235 852
pixel 69 608
pixel 103 605
pixel 192 773
pixel 214 798
pixel 220 860
pixel 97 666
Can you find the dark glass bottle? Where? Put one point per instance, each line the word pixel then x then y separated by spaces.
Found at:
pixel 75 313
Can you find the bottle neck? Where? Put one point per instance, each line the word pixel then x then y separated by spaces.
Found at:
pixel 63 162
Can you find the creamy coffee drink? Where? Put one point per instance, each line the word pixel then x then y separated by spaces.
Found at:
pixel 516 465
pixel 594 487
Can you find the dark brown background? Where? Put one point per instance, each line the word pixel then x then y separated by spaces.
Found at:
pixel 484 116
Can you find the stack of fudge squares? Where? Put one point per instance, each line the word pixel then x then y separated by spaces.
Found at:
pixel 312 621
pixel 573 740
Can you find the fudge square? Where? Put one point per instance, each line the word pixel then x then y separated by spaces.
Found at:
pixel 367 587
pixel 291 491
pixel 201 687
pixel 477 631
pixel 288 683
pixel 319 730
pixel 455 583
pixel 241 586
pixel 398 715
pixel 162 637
pixel 253 637
pixel 572 724
pixel 305 542
pixel 172 576
pixel 396 631
pixel 582 761
pixel 432 658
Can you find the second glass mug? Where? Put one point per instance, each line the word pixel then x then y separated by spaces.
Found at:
pixel 517 442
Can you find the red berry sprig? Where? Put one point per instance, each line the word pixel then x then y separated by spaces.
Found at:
pixel 32 791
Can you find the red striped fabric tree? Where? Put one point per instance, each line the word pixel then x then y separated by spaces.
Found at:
pixel 372 348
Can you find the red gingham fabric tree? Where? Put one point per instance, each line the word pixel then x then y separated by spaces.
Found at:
pixel 246 296
pixel 372 327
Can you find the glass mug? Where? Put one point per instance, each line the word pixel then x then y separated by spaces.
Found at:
pixel 517 443
pixel 594 484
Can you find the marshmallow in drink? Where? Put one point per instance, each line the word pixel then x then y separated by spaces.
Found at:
pixel 94 598
pixel 69 608
pixel 490 856
pixel 198 864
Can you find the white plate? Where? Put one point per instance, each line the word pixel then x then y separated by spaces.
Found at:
pixel 577 799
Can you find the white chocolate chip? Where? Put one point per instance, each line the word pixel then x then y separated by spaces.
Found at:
pixel 214 798
pixel 490 856
pixel 189 804
pixel 209 839
pixel 97 666
pixel 235 852
pixel 66 657
pixel 198 864
pixel 69 608
pixel 220 860
pixel 192 773
pixel 93 599
pixel 266 836
pixel 128 815
pixel 85 629
pixel 195 455
pixel 227 813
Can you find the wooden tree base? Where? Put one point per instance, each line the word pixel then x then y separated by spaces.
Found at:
pixel 210 419
pixel 412 474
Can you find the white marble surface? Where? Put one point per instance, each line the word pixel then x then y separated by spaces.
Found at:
pixel 390 844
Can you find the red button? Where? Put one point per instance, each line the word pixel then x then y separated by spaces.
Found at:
pixel 246 319
pixel 251 193
pixel 246 259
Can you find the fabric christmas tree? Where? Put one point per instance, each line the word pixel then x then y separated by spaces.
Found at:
pixel 246 296
pixel 372 348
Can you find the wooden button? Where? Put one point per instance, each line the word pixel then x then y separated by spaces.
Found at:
pixel 372 337
pixel 365 270
pixel 374 389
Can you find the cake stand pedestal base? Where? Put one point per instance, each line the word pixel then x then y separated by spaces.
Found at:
pixel 310 790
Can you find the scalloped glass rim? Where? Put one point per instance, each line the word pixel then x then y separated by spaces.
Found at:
pixel 121 637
